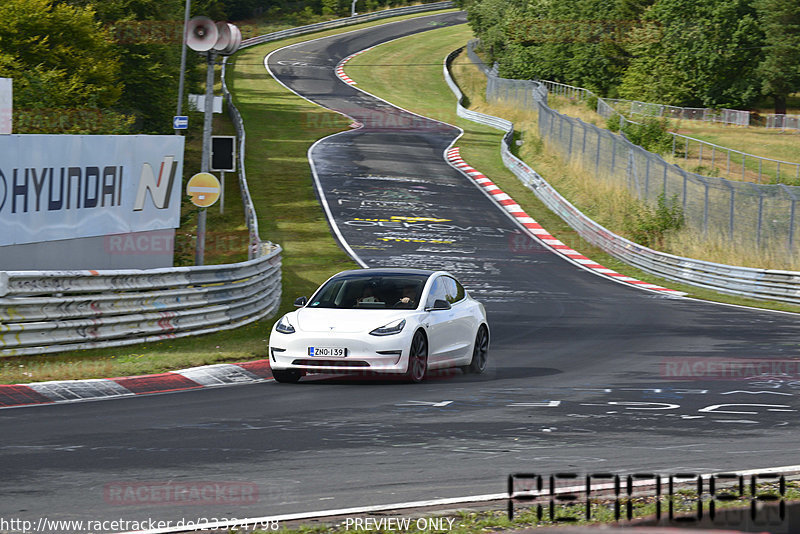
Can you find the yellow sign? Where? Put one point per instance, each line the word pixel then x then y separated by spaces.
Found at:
pixel 204 189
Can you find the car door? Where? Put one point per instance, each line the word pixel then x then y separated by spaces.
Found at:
pixel 463 327
pixel 439 325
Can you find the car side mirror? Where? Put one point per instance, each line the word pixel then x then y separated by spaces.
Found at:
pixel 300 302
pixel 439 304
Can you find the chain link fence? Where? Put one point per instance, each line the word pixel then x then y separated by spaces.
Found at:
pixel 784 122
pixel 758 215
pixel 725 116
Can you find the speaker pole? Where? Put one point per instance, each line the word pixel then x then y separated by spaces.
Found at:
pixel 183 60
pixel 199 255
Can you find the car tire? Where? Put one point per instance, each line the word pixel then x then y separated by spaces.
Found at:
pixel 286 376
pixel 480 352
pixel 417 359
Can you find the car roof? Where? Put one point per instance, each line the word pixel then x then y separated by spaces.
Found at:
pixel 384 271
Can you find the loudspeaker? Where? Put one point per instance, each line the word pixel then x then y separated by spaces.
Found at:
pixel 235 40
pixel 223 36
pixel 201 34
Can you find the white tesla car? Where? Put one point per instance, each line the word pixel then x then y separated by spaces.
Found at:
pixel 389 321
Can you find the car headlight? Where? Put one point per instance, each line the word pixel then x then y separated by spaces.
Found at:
pixel 395 327
pixel 284 326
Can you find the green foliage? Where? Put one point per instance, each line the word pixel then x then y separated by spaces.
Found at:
pixel 700 53
pixel 612 123
pixel 652 135
pixel 147 36
pixel 58 56
pixel 591 103
pixel 705 53
pixel 780 67
pixel 649 225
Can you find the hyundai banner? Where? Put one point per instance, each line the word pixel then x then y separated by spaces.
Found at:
pixel 55 187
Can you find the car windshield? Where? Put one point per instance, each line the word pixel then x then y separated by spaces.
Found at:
pixel 370 291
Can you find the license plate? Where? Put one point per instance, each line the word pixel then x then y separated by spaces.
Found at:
pixel 332 352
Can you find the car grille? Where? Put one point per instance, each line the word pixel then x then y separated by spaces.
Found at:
pixel 331 363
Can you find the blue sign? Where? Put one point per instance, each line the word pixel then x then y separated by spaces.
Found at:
pixel 180 122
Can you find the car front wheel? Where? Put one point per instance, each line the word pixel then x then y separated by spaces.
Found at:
pixel 417 359
pixel 480 352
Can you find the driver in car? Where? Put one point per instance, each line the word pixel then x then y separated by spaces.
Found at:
pixel 408 300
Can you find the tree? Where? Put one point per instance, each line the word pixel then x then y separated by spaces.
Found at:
pixel 147 41
pixel 58 56
pixel 780 68
pixel 705 54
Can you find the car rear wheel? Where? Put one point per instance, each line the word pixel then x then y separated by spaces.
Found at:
pixel 480 352
pixel 286 376
pixel 417 359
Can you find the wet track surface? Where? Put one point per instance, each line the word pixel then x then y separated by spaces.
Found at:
pixel 581 375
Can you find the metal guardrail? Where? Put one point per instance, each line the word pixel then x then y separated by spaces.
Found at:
pixel 52 311
pixel 743 281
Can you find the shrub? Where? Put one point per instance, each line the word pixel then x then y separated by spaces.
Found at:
pixel 649 225
pixel 652 135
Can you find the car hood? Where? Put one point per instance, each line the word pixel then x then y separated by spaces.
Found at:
pixel 345 321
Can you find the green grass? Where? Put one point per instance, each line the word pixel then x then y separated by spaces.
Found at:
pixel 395 72
pixel 280 128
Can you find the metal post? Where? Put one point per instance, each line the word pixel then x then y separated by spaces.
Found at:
pixel 583 146
pixel 778 177
pixel 597 157
pixel 614 153
pixel 183 59
pixel 732 209
pixel 222 193
pixel 759 169
pixel 744 158
pixel 199 253
pixel 353 9
pixel 571 130
pixel 685 178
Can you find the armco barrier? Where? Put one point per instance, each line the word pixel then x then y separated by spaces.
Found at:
pixel 53 311
pixel 742 281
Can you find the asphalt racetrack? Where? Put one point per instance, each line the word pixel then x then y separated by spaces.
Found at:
pixel 582 372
